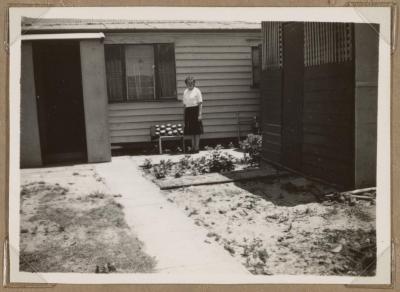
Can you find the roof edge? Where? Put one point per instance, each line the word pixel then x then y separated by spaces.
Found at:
pixel 74 24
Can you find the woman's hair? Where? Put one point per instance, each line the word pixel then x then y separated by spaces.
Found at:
pixel 190 79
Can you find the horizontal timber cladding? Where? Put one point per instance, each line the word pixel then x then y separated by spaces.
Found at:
pixel 222 66
pixel 328 122
pixel 160 110
pixel 211 129
pixel 216 69
pixel 271 117
pixel 145 138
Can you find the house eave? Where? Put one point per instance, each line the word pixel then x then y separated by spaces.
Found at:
pixel 62 36
pixel 57 31
pixel 51 25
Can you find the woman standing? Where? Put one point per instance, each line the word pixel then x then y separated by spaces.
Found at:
pixel 193 102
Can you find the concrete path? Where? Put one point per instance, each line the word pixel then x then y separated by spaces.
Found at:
pixel 168 234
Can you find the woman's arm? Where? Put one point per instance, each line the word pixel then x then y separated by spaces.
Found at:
pixel 200 103
pixel 200 111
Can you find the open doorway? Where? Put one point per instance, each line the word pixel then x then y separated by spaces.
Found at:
pixel 58 81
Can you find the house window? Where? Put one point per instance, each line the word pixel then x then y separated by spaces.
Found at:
pixel 140 72
pixel 256 65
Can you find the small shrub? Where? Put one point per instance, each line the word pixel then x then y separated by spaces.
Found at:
pixel 163 168
pixel 184 163
pixel 202 165
pixel 251 147
pixel 159 172
pixel 178 174
pixel 166 164
pixel 218 161
pixel 147 164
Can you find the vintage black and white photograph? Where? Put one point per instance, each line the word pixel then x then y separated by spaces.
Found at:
pixel 199 148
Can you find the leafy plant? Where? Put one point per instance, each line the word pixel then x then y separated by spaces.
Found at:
pixel 147 164
pixel 219 161
pixel 159 172
pixel 251 147
pixel 178 174
pixel 201 165
pixel 167 164
pixel 184 163
pixel 163 168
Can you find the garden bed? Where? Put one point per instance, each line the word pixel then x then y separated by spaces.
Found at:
pixel 214 160
pixel 213 166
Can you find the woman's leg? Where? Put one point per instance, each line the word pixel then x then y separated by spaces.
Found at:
pixel 193 142
pixel 197 142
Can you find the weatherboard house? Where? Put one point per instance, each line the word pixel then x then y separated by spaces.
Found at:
pixel 90 85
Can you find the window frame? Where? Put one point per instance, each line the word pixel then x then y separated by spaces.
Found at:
pixel 254 83
pixel 156 76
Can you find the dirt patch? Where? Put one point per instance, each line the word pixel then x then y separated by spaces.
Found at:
pixel 281 226
pixel 70 229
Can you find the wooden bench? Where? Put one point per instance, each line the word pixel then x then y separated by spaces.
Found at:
pixel 160 139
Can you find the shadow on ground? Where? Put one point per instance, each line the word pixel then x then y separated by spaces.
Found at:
pixel 287 191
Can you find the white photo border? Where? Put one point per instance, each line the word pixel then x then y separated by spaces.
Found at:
pixel 379 15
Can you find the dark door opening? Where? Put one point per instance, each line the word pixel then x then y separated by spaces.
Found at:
pixel 292 97
pixel 58 81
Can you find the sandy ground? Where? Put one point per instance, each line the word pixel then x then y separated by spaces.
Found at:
pixel 70 222
pixel 279 226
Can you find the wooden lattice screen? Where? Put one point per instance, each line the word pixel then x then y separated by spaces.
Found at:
pixel 272 45
pixel 326 43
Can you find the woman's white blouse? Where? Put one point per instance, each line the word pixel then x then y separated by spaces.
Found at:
pixel 192 97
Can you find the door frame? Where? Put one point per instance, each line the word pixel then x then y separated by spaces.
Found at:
pixel 59 157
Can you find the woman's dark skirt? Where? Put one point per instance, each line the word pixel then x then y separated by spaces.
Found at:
pixel 192 124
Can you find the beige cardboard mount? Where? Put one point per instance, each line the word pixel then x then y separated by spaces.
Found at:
pixel 7 249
